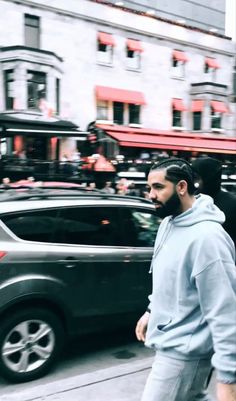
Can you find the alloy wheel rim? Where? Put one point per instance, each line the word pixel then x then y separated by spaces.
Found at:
pixel 28 346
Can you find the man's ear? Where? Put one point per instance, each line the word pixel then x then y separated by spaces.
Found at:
pixel 182 187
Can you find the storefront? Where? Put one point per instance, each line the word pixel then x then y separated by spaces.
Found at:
pixel 141 143
pixel 34 145
pixel 37 139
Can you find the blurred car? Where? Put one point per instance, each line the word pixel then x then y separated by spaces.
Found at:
pixel 71 263
pixel 229 186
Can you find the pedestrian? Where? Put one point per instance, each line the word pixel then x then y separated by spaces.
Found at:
pixel 191 317
pixel 91 186
pixel 209 171
pixel 132 190
pixel 6 183
pixel 108 189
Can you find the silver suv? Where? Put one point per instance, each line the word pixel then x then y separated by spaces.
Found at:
pixel 70 263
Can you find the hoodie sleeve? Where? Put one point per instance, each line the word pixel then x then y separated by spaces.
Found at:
pixel 216 286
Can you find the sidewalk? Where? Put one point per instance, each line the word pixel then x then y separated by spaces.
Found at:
pixel 120 383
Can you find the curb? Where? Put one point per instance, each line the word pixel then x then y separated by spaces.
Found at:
pixel 79 381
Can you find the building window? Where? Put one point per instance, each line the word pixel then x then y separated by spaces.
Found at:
pixel 58 90
pixel 102 110
pixel 9 89
pixel 177 108
pixel 216 119
pixel 133 59
pixel 105 44
pixel 179 59
pixel 32 31
pixel 105 54
pixel 133 54
pixel 36 88
pixel 197 120
pixel 177 118
pixel 178 68
pixel 210 67
pixel 118 113
pixel 134 114
pixel 210 73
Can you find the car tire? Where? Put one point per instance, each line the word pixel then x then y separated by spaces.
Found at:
pixel 30 342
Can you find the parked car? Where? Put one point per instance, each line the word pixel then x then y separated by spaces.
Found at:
pixel 70 263
pixel 229 186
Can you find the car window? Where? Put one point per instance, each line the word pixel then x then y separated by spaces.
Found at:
pixel 140 227
pixel 89 226
pixel 32 226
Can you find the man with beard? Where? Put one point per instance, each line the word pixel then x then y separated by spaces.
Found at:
pixel 191 318
pixel 209 171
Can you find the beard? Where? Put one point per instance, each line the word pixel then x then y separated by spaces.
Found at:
pixel 170 207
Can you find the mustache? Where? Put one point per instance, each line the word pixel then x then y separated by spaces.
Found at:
pixel 157 203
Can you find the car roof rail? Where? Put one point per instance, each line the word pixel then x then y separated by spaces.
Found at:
pixel 47 193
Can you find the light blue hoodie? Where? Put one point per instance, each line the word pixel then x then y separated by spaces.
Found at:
pixel 193 302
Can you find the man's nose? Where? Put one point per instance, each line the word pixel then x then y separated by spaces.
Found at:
pixel 152 194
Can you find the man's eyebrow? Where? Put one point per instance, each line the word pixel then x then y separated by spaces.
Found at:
pixel 156 185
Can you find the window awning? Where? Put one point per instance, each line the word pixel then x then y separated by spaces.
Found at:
pixel 180 56
pixel 134 45
pixel 106 38
pixel 211 62
pixel 219 107
pixel 119 95
pixel 197 105
pixel 153 139
pixel 178 105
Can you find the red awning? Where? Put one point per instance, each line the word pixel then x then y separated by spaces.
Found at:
pixel 211 62
pixel 134 45
pixel 180 56
pixel 219 107
pixel 106 38
pixel 119 95
pixel 178 105
pixel 197 105
pixel 153 139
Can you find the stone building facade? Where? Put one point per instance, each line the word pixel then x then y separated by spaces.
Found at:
pixel 90 61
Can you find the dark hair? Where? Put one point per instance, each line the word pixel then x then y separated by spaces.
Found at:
pixel 176 170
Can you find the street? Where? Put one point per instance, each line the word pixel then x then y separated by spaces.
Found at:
pixel 111 367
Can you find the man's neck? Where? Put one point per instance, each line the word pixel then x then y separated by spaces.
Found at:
pixel 187 202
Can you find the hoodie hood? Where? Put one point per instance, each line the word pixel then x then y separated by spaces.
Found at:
pixel 203 209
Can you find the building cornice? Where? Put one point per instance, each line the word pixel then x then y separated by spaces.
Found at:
pixel 34 4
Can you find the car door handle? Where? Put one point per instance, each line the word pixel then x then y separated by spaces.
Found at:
pixel 69 262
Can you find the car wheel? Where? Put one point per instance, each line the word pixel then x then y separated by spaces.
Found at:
pixel 30 341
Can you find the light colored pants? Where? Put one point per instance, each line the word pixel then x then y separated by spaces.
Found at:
pixel 176 380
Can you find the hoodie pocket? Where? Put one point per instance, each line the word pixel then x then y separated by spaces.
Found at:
pixel 161 327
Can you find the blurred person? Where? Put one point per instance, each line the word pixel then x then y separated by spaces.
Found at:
pixel 209 172
pixel 122 186
pixel 108 188
pixel 22 155
pixel 191 318
pixel 91 186
pixel 6 182
pixel 132 190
